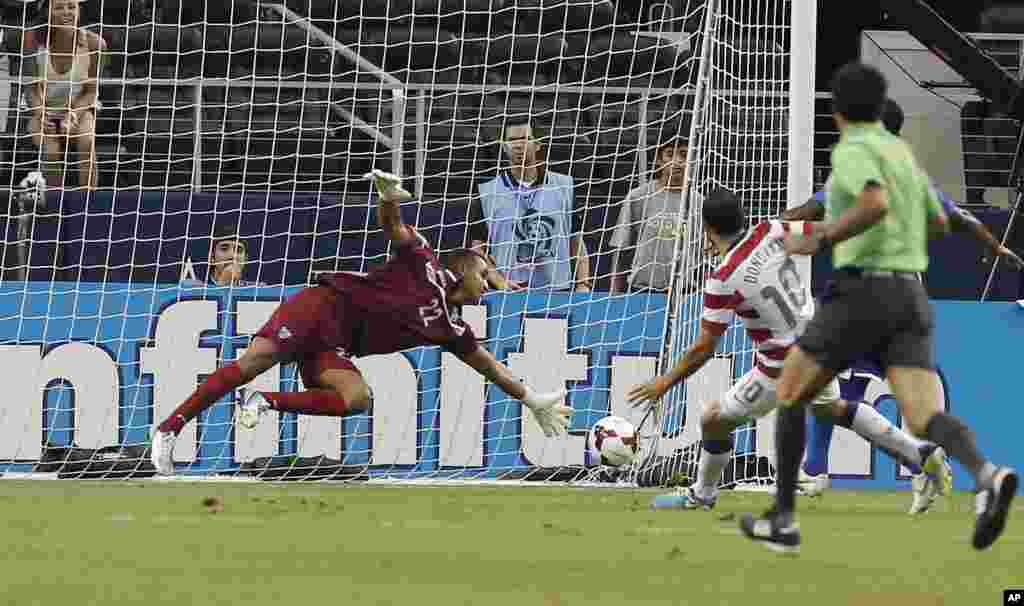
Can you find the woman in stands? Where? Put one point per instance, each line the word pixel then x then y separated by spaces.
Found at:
pixel 65 60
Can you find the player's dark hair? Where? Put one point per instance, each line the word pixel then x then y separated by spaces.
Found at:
pixel 537 132
pixel 858 92
pixel 723 212
pixel 892 117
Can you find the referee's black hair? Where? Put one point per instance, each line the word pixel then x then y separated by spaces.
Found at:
pixel 859 92
pixel 723 212
pixel 892 117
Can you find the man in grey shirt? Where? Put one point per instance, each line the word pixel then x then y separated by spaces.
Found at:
pixel 650 225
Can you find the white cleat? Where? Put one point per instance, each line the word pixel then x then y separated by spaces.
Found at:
pixel 938 470
pixel 161 452
pixel 811 486
pixel 936 479
pixel 252 409
pixel 33 189
pixel 925 489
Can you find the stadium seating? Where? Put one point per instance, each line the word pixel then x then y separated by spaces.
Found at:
pixel 622 58
pixel 989 146
pixel 1007 18
pixel 272 50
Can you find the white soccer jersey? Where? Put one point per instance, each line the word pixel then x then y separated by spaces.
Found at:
pixel 759 282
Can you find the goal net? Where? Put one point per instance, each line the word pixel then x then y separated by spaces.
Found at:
pixel 253 125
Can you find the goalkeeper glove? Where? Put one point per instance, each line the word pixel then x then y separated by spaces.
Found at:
pixel 387 183
pixel 552 416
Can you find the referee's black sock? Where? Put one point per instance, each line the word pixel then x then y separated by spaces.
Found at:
pixel 790 434
pixel 958 440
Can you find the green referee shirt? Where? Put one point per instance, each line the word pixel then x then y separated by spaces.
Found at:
pixel 867 153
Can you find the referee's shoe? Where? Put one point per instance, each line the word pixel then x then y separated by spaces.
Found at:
pixel 993 505
pixel 777 532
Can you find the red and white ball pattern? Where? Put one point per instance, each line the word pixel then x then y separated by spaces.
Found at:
pixel 613 442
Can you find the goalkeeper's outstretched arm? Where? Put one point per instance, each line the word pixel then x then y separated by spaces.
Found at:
pixel 553 417
pixel 698 354
pixel 389 215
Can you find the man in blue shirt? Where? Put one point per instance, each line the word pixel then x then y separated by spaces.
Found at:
pixel 526 217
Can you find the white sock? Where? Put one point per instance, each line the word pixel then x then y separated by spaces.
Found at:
pixel 709 472
pixel 875 428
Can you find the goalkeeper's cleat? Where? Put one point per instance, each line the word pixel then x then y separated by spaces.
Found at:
pixel 992 507
pixel 811 486
pixel 775 533
pixel 684 499
pixel 252 409
pixel 386 182
pixel 161 452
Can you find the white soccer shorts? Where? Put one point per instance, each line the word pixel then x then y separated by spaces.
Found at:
pixel 753 396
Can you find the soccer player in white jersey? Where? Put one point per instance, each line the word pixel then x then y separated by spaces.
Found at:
pixel 758 281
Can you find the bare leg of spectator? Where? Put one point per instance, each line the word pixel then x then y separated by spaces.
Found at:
pixel 84 138
pixel 54 169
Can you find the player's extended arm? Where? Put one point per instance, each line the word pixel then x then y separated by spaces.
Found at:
pixel 702 350
pixel 552 416
pixel 812 210
pixel 871 207
pixel 962 220
pixel 389 215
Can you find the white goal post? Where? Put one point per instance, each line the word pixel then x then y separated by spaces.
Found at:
pixel 261 120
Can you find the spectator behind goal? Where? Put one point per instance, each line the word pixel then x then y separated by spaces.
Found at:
pixel 650 226
pixel 526 217
pixel 65 61
pixel 229 255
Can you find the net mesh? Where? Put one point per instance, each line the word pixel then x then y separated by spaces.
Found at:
pixel 261 120
pixel 738 141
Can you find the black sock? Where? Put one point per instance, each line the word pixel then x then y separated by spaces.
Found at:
pixel 790 433
pixel 957 439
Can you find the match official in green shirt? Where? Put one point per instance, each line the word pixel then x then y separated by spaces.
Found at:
pixel 881 210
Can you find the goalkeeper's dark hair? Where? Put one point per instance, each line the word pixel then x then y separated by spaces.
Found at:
pixel 892 117
pixel 461 260
pixel 859 92
pixel 723 212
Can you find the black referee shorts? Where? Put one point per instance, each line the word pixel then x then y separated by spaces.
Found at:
pixel 887 318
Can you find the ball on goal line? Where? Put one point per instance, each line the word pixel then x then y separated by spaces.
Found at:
pixel 613 441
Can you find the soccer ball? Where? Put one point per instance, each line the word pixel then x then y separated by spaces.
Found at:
pixel 613 442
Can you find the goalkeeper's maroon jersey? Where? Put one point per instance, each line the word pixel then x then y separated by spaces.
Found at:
pixel 402 304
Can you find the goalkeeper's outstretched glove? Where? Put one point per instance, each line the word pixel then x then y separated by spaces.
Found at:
pixel 552 416
pixel 388 184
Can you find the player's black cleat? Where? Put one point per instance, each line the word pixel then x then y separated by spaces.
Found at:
pixel 770 530
pixel 992 507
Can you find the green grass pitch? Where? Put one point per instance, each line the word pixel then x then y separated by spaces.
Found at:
pixel 69 543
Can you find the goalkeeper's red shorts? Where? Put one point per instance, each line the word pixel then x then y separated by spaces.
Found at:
pixel 309 328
